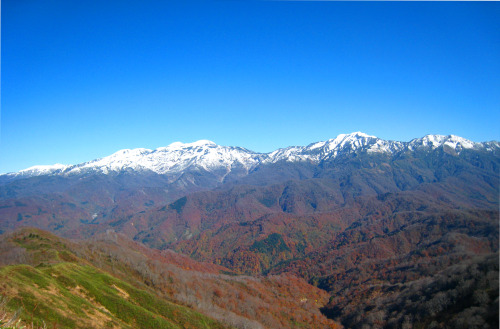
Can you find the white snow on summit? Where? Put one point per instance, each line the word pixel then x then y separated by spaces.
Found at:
pixel 178 157
pixel 291 154
pixel 42 169
pixel 179 145
pixel 434 141
pixel 173 158
pixel 353 141
pixel 322 150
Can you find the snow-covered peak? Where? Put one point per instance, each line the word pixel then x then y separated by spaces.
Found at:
pixel 173 159
pixel 180 145
pixel 341 139
pixel 290 154
pixel 322 150
pixel 43 169
pixel 316 145
pixel 434 141
pixel 127 158
pixel 353 141
pixel 355 135
pixel 178 157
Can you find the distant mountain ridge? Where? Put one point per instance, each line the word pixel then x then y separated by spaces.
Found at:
pixel 368 220
pixel 206 155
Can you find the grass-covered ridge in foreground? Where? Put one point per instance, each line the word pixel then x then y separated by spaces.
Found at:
pixel 113 282
pixel 64 291
pixel 80 296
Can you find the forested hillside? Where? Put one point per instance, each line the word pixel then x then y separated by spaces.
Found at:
pixel 363 231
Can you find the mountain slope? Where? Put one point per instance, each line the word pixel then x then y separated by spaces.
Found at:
pixel 66 198
pixel 113 281
pixel 205 155
pixel 65 291
pixel 367 220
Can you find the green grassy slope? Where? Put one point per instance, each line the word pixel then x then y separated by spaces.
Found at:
pixel 66 292
pixel 111 281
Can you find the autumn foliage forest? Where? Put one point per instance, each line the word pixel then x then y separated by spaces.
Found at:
pixel 363 240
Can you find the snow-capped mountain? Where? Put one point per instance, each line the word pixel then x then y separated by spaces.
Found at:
pixel 342 144
pixel 358 141
pixel 177 157
pixel 131 187
pixel 172 159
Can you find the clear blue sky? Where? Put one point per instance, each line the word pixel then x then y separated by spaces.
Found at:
pixel 83 79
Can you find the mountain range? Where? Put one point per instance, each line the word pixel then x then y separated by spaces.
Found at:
pixel 376 224
pixel 178 158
